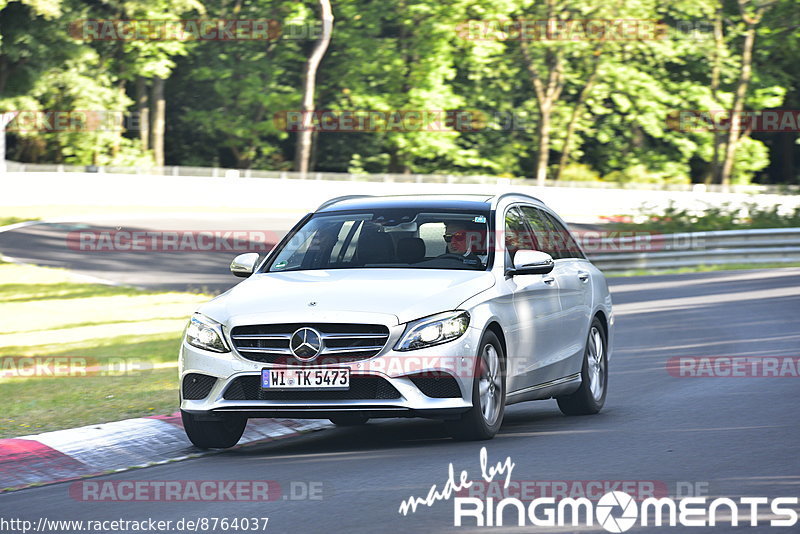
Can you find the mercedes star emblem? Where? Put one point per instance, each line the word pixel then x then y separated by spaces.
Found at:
pixel 306 344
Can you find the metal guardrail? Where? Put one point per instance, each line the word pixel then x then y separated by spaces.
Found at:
pixel 217 172
pixel 658 252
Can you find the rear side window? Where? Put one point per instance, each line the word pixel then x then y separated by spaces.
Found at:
pixel 543 230
pixel 564 242
pixel 551 235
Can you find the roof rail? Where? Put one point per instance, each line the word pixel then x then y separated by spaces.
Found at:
pixel 339 199
pixel 499 197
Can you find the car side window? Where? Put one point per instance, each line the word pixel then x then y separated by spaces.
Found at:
pixel 564 241
pixel 544 231
pixel 517 234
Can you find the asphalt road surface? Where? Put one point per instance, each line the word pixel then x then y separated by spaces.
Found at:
pixel 178 252
pixel 720 436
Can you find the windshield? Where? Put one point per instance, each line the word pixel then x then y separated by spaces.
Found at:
pixel 412 239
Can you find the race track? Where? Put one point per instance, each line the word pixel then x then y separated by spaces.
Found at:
pixel 103 247
pixel 723 436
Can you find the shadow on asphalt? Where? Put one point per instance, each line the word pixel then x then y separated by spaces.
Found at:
pixel 387 434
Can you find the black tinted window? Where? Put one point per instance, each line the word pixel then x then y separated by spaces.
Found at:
pixel 565 243
pixel 543 231
pixel 551 236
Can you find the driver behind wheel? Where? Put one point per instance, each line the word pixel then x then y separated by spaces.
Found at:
pixel 466 240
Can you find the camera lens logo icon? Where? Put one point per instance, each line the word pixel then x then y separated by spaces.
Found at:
pixel 607 511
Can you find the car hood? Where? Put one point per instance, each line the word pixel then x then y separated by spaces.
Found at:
pixel 404 294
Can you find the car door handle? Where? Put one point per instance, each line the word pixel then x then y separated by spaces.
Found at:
pixel 548 279
pixel 583 276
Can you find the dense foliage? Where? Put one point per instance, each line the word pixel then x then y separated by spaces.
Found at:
pixel 572 109
pixel 674 219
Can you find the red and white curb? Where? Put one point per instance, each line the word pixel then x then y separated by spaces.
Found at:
pixel 110 447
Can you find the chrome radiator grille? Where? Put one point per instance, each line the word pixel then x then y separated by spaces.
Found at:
pixel 341 342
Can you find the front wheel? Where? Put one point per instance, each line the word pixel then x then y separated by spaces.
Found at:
pixel 483 420
pixel 221 433
pixel 591 396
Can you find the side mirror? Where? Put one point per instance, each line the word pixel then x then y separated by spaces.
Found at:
pixel 532 262
pixel 243 265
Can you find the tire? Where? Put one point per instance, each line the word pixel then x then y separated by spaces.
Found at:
pixel 349 419
pixel 591 396
pixel 219 434
pixel 484 418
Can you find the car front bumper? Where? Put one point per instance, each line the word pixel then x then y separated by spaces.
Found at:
pixel 456 359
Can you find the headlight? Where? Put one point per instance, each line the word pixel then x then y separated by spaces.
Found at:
pixel 206 334
pixel 434 330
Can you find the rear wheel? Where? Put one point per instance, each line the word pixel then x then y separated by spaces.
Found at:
pixel 483 420
pixel 213 434
pixel 349 419
pixel 591 396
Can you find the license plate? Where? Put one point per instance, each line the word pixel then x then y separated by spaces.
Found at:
pixel 311 379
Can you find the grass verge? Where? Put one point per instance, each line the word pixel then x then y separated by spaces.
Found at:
pixel 5 221
pixel 104 352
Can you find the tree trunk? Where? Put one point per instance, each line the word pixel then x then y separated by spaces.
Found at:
pixel 786 144
pixel 143 109
pixel 303 148
pixel 314 150
pixel 119 124
pixel 714 173
pixel 548 91
pixel 5 118
pixel 159 121
pixel 543 150
pixel 573 119
pixel 741 92
pixel 738 106
pixel 397 163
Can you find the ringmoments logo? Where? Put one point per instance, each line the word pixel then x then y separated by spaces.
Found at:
pixel 615 511
pixel 618 511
